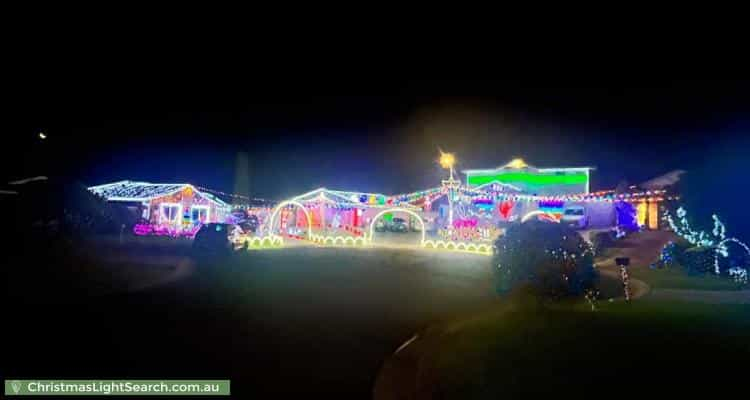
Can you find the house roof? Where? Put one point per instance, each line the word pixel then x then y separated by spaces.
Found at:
pixel 325 194
pixel 346 198
pixel 145 191
pixel 520 164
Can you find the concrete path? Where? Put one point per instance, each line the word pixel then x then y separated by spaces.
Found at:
pixel 638 288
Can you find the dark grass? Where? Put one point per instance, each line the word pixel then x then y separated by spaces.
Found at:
pixel 676 277
pixel 638 350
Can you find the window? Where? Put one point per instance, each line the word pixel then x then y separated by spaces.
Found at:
pixel 199 214
pixel 170 212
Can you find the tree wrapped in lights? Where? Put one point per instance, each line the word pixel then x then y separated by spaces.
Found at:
pixel 698 260
pixel 717 241
pixel 551 258
pixel 682 228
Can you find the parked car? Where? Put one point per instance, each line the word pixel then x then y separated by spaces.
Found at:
pixel 213 239
pixel 575 217
pixel 398 225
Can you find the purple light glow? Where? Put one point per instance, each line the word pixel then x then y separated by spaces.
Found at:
pixel 483 202
pixel 551 203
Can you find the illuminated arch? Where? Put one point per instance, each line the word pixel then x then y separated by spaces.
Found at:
pixel 484 249
pixel 743 245
pixel 538 212
pixel 722 247
pixel 412 213
pixel 293 203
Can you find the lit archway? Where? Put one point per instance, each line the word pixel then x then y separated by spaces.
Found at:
pixel 721 249
pixel 293 203
pixel 538 212
pixel 412 213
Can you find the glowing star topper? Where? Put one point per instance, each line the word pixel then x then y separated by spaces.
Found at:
pixel 517 163
pixel 447 160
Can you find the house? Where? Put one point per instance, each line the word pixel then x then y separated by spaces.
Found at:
pixel 171 207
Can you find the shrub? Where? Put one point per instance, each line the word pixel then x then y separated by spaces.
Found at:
pixel 698 260
pixel 677 251
pixel 551 258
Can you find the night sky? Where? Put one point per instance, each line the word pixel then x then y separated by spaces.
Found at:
pixel 381 135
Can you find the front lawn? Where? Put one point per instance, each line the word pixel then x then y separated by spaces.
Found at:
pixel 677 278
pixel 643 349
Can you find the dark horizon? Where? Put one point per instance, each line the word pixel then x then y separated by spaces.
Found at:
pixel 381 136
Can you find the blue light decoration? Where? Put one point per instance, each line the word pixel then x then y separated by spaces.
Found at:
pixel 551 206
pixel 626 217
pixel 484 204
pixel 363 198
pixel 667 253
pixel 666 257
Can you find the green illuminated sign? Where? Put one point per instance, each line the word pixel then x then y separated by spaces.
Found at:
pixel 541 179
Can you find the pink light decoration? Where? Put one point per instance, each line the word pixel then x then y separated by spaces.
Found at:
pixel 143 229
pixel 156 230
pixel 465 223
